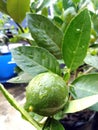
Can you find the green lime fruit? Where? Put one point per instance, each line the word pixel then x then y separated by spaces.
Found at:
pixel 46 94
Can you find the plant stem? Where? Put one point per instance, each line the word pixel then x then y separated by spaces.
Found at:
pixel 20 27
pixel 91 68
pixel 23 32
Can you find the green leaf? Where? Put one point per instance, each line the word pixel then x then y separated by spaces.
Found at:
pixel 17 9
pixel 26 36
pixel 3 7
pixel 81 104
pixel 92 60
pixel 67 4
pixel 47 124
pixel 52 124
pixel 58 21
pixel 76 40
pixel 45 11
pixel 56 125
pixel 45 33
pixel 35 60
pixel 14 103
pixel 57 8
pixel 86 85
pixel 76 1
pixel 37 117
pixel 45 3
pixel 21 78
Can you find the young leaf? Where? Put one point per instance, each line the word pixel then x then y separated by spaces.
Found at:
pixel 17 9
pixel 26 36
pixel 92 60
pixel 45 33
pixel 67 4
pixel 76 40
pixel 76 1
pixel 81 104
pixel 14 103
pixel 86 85
pixel 35 60
pixel 45 3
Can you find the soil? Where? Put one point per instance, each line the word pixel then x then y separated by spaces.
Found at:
pixel 83 120
pixel 95 123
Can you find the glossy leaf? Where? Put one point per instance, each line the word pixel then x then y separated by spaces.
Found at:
pixel 26 36
pixel 21 78
pixel 86 85
pixel 45 33
pixel 35 60
pixel 81 104
pixel 92 60
pixel 52 124
pixel 45 3
pixel 14 103
pixel 17 9
pixel 76 40
pixel 56 125
pixel 67 4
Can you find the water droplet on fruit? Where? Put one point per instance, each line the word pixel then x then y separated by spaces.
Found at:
pixel 42 94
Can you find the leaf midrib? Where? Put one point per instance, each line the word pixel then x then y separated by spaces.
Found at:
pixel 77 47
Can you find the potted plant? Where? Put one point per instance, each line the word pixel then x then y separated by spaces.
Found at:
pixel 64 78
pixel 7 66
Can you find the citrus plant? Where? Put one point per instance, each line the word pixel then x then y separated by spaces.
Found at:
pixel 61 69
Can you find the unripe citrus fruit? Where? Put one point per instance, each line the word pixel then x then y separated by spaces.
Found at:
pixel 46 94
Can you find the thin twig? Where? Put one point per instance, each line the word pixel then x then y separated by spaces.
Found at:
pixel 23 32
pixel 91 68
pixel 20 27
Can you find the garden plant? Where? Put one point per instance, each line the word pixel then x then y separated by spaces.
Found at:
pixel 60 65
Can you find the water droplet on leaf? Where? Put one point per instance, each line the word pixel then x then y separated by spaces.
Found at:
pixel 74 52
pixel 78 30
pixel 83 46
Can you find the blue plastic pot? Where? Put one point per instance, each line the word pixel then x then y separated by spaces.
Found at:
pixel 7 67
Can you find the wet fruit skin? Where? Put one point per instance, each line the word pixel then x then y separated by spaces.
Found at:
pixel 46 94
